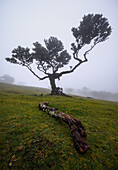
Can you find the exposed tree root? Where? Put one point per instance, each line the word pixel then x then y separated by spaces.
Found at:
pixel 77 129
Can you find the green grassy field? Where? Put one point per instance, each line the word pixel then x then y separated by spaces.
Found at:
pixel 32 139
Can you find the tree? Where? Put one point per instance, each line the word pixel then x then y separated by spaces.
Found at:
pixel 92 30
pixel 7 79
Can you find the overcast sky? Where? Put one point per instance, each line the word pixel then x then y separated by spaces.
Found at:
pixel 23 22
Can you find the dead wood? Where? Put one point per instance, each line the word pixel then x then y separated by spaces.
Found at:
pixel 77 129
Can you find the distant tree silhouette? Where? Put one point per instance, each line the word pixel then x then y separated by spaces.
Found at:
pixel 7 79
pixel 92 30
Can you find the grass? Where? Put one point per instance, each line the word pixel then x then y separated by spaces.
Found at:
pixel 32 139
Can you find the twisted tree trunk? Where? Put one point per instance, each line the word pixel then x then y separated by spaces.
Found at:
pixel 77 129
pixel 53 85
pixel 55 90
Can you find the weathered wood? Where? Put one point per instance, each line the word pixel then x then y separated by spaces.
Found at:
pixel 77 129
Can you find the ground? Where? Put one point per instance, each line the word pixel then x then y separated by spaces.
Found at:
pixel 32 139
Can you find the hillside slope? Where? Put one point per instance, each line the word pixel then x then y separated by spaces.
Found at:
pixel 32 139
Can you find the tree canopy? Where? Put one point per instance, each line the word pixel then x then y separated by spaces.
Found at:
pixel 92 30
pixel 53 56
pixel 92 27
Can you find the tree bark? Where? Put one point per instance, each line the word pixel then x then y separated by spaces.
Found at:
pixel 55 90
pixel 53 85
pixel 77 129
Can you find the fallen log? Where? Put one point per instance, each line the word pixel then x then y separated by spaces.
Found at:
pixel 77 129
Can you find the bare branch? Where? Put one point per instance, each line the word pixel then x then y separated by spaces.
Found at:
pixel 75 56
pixel 42 68
pixel 30 69
pixel 70 71
pixel 87 52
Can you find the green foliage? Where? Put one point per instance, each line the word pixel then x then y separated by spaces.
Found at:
pixel 40 53
pixel 92 27
pixel 53 56
pixel 54 46
pixel 21 56
pixel 32 139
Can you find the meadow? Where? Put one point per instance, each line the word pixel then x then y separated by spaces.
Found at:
pixel 32 139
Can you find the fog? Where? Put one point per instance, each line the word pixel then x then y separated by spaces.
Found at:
pixel 24 22
pixel 85 92
pixel 7 79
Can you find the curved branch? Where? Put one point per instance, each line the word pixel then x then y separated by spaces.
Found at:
pixel 30 69
pixel 54 68
pixel 75 56
pixel 70 71
pixel 87 52
pixel 42 69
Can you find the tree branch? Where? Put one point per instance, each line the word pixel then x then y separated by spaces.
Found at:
pixel 30 69
pixel 75 56
pixel 42 69
pixel 70 71
pixel 87 52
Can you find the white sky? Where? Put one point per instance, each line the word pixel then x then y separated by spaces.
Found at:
pixel 23 22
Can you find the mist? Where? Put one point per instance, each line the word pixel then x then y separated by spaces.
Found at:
pixel 85 92
pixel 7 79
